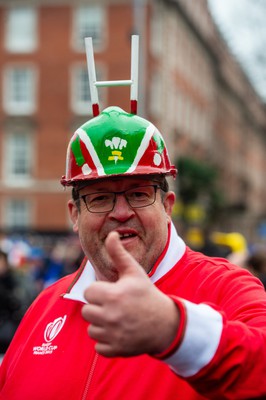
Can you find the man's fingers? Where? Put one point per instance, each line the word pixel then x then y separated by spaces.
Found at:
pixel 97 333
pixel 92 313
pixel 97 291
pixel 105 349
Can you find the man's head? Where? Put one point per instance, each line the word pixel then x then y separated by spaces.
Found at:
pixel 117 164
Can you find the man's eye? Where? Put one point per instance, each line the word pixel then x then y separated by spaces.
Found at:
pixel 100 198
pixel 139 195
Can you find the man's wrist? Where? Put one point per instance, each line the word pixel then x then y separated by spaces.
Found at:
pixel 172 348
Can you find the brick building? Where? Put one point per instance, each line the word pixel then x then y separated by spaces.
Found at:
pixel 190 86
pixel 45 97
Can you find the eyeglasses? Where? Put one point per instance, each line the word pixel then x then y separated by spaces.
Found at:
pixel 103 202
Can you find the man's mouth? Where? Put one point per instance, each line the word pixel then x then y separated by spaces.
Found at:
pixel 123 236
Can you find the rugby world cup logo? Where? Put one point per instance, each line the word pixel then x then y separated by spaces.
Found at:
pixel 53 328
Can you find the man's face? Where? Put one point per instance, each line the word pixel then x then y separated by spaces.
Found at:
pixel 143 231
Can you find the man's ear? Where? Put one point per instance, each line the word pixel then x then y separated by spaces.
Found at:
pixel 169 201
pixel 74 214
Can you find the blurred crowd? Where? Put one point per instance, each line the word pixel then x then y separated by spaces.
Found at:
pixel 28 265
pixel 233 246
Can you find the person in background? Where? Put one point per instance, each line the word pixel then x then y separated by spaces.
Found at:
pixel 256 262
pixel 16 295
pixel 144 317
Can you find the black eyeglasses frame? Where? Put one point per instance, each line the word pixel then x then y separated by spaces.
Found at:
pixel 83 197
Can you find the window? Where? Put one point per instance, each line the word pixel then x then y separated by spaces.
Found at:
pixel 89 21
pixel 80 93
pixel 21 30
pixel 81 100
pixel 17 213
pixel 19 96
pixel 18 151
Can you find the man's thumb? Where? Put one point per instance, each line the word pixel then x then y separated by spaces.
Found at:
pixel 123 261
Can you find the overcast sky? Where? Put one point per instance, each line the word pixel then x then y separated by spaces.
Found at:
pixel 243 24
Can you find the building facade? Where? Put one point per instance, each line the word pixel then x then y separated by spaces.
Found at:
pixel 190 86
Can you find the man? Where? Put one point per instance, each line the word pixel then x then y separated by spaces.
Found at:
pixel 144 317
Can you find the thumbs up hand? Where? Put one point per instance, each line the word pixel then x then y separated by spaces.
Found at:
pixel 130 316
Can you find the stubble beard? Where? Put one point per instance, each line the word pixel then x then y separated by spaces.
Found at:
pixel 105 269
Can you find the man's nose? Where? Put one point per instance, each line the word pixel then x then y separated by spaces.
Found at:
pixel 122 210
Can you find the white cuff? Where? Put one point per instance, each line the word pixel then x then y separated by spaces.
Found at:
pixel 200 342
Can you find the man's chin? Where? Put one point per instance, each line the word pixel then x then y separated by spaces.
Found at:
pixel 138 255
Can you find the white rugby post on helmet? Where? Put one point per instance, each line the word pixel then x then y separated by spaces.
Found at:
pixel 114 142
pixel 133 81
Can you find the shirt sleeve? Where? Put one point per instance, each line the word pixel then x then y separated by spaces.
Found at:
pixel 222 349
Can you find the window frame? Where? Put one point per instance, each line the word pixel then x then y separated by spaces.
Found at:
pixel 11 155
pixel 24 40
pixel 11 104
pixel 79 13
pixel 11 216
pixel 78 106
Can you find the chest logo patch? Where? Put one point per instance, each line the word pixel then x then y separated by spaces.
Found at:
pixel 53 328
pixel 51 331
